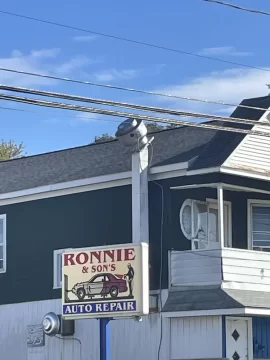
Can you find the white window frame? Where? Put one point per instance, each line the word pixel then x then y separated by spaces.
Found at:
pixel 209 202
pixel 57 281
pixel 229 204
pixel 250 203
pixel 4 269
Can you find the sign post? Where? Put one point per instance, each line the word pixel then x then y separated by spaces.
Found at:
pixel 105 283
pixel 104 339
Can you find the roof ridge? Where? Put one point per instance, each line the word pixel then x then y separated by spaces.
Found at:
pixel 83 146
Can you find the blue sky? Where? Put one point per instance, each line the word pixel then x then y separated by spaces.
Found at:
pixel 189 25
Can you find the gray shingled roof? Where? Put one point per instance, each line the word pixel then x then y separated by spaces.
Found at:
pixel 211 298
pixel 206 147
pixel 95 160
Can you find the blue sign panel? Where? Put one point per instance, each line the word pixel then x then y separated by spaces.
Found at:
pixel 101 307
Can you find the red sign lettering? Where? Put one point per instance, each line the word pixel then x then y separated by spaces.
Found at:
pixel 98 257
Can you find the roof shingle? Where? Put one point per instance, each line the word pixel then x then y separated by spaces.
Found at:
pixel 206 147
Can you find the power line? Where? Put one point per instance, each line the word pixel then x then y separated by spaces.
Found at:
pixel 83 82
pixel 130 40
pixel 132 106
pixel 128 115
pixel 261 12
pixel 55 114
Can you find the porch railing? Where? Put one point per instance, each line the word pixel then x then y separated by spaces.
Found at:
pixel 228 266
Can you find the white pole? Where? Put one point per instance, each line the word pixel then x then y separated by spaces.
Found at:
pixel 140 219
pixel 220 215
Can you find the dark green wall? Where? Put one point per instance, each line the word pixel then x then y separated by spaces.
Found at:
pixel 36 228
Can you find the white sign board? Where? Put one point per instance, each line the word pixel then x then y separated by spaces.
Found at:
pixel 109 281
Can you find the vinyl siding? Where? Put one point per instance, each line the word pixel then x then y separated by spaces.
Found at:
pixel 228 266
pixel 16 317
pixel 196 338
pixel 252 153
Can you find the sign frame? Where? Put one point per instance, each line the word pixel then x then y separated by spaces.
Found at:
pixel 140 298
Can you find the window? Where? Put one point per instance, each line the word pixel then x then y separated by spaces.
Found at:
pixel 99 278
pixel 3 249
pixel 199 223
pixel 259 222
pixel 57 268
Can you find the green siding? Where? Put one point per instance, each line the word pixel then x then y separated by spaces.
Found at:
pixel 36 228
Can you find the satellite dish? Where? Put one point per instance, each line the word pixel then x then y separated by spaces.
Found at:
pixel 51 324
pixel 132 133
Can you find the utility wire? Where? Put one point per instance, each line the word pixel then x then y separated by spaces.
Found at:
pixel 129 115
pixel 55 114
pixel 130 40
pixel 133 106
pixel 261 12
pixel 131 89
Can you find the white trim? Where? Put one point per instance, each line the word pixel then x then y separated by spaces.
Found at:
pixel 203 171
pixel 38 193
pixel 169 270
pixel 167 168
pixel 258 312
pixel 245 173
pixel 250 203
pixel 240 312
pixel 56 253
pixel 95 183
pixel 225 186
pixel 238 318
pixel 4 218
pixel 249 230
pixel 250 339
pixel 192 313
pixel 220 215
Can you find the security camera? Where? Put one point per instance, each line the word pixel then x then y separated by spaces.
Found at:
pixel 132 133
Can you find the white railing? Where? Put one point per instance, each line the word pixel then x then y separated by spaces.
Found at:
pixel 233 268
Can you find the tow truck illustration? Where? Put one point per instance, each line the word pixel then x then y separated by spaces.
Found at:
pixel 102 284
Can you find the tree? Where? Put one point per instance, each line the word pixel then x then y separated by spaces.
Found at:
pixel 10 150
pixel 104 137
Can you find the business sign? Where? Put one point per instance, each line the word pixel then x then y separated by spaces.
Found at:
pixel 109 281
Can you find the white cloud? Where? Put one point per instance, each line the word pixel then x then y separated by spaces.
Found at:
pixel 225 110
pixel 76 62
pixel 44 61
pixel 113 74
pixel 223 50
pixel 86 116
pixel 85 38
pixel 229 86
pixel 45 53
